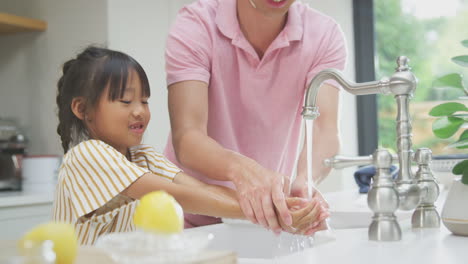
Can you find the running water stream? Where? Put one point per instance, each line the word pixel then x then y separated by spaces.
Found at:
pixel 302 242
pixel 309 129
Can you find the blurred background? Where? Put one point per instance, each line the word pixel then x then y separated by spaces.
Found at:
pixel 428 32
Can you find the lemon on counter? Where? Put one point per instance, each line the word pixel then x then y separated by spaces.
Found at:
pixel 159 212
pixel 62 235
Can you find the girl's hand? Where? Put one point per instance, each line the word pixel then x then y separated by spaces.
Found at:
pixel 302 193
pixel 322 225
pixel 308 216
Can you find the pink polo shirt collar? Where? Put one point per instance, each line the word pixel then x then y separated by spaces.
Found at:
pixel 228 24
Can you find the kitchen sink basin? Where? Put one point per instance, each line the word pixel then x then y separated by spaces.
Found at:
pixel 254 244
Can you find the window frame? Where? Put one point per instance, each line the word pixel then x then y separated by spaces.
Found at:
pixel 366 106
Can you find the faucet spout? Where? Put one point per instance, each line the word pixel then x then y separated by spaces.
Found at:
pixel 401 85
pixel 310 104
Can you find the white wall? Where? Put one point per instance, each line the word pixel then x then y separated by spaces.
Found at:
pixel 140 30
pixel 30 62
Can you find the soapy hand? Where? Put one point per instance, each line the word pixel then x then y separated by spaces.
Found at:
pixel 308 216
pixel 299 189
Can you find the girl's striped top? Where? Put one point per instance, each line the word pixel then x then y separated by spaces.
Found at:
pixel 90 180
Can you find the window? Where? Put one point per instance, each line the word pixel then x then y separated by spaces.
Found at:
pixel 429 32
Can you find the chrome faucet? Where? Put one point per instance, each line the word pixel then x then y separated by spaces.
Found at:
pixel 408 190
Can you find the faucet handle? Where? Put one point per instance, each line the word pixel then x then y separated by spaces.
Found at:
pixel 426 214
pixel 383 200
pixel 340 162
pixel 382 159
pixel 423 156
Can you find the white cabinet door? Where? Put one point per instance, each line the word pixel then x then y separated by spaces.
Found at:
pixel 17 220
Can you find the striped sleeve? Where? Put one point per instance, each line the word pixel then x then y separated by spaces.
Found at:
pixel 96 173
pixel 147 157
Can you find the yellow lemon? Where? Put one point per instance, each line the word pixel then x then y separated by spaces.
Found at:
pixel 61 234
pixel 159 212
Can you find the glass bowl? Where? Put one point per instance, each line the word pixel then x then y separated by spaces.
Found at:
pixel 38 253
pixel 144 247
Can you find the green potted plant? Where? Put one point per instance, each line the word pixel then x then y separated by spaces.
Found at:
pixel 451 118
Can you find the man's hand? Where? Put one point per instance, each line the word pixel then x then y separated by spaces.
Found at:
pixel 260 192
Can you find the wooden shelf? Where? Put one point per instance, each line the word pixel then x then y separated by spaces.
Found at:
pixel 10 24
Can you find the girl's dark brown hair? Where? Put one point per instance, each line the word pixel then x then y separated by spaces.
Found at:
pixel 87 76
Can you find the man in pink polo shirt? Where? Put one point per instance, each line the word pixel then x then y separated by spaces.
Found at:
pixel 237 71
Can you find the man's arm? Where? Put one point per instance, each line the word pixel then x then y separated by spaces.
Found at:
pixel 325 141
pixel 259 190
pixel 188 111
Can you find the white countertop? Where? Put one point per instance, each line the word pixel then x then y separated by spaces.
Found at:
pixel 426 246
pixel 344 246
pixel 351 245
pixel 9 198
pixel 417 246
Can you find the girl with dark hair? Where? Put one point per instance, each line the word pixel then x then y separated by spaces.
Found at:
pixel 103 112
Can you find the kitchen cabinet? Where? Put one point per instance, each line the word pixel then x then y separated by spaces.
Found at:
pixel 21 211
pixel 10 24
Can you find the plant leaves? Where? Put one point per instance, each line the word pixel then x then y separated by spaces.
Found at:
pixel 445 127
pixel 464 178
pixel 460 144
pixel 462 116
pixel 465 43
pixel 462 141
pixel 460 167
pixel 464 135
pixel 453 80
pixel 461 60
pixel 446 109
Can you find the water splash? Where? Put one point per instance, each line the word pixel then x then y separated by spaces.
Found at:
pixel 288 244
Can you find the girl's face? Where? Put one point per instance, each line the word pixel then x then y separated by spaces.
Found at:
pixel 121 123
